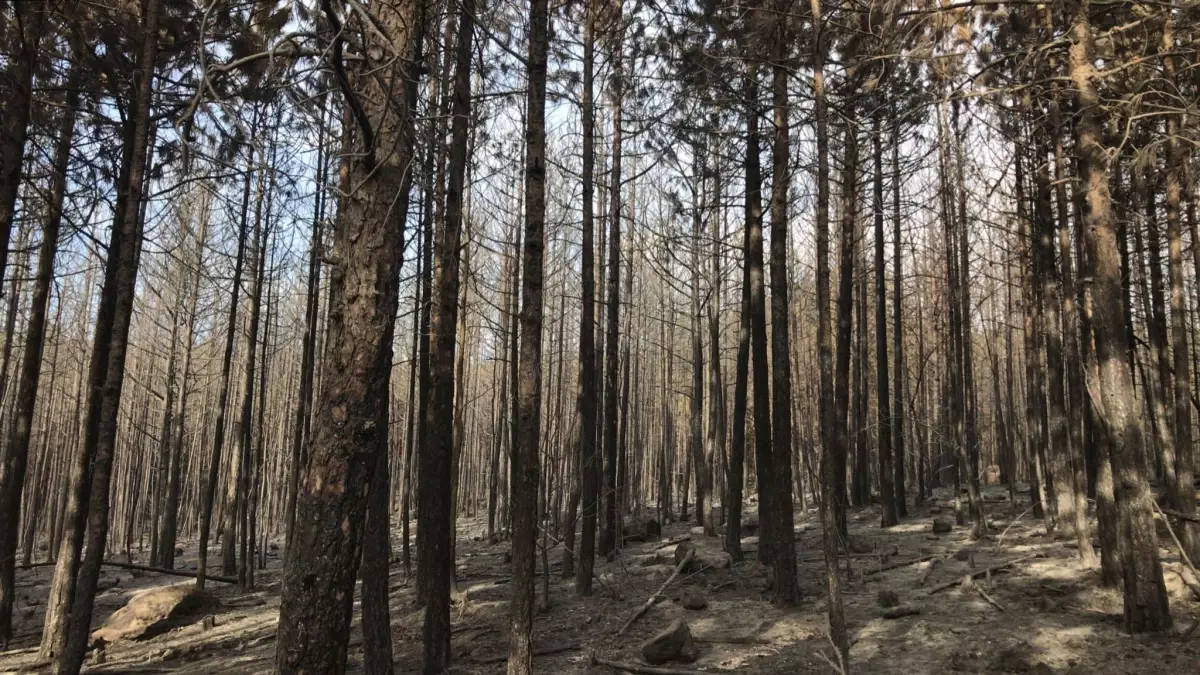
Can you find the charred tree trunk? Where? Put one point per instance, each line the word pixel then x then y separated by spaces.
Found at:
pixel 786 589
pixel 16 452
pixel 331 504
pixel 1146 605
pixel 529 385
pixel 435 558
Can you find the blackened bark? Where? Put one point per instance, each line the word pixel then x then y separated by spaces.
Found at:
pixel 331 504
pixel 435 513
pixel 845 307
pixel 890 514
pixel 208 496
pixel 608 542
pixel 829 424
pixel 123 263
pixel 1146 605
pixel 786 591
pixel 529 385
pixel 900 377
pixel 15 108
pixel 589 459
pixel 16 453
pixel 760 367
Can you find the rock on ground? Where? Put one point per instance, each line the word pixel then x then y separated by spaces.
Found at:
pixel 156 611
pixel 672 644
pixel 706 555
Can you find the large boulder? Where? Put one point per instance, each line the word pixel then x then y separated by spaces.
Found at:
pixel 156 611
pixel 641 529
pixel 672 644
pixel 702 557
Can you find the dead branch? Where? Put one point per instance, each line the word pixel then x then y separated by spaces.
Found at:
pixel 650 601
pixel 898 565
pixel 990 600
pixel 980 573
pixel 639 668
pixel 143 568
pixel 544 651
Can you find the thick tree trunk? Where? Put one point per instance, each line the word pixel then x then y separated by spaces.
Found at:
pixel 331 505
pixel 1184 497
pixel 845 307
pixel 1146 605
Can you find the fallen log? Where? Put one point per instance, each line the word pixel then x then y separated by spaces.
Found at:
pixel 644 670
pixel 144 568
pixel 898 565
pixel 544 651
pixel 980 573
pixel 650 601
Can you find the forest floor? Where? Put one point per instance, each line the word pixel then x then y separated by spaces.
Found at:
pixel 1049 614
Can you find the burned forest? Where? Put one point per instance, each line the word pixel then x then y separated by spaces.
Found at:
pixel 599 336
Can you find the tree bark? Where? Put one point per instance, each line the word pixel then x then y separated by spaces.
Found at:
pixel 331 504
pixel 1146 605
pixel 786 591
pixel 16 452
pixel 435 513
pixel 529 387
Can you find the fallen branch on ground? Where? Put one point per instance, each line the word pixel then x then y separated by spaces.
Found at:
pixel 639 668
pixel 898 565
pixel 990 600
pixel 544 651
pixel 1182 516
pixel 747 639
pixel 144 568
pixel 650 601
pixel 980 573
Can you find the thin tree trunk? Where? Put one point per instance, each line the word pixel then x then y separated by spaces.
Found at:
pixel 786 590
pixel 16 452
pixel 529 392
pixel 436 479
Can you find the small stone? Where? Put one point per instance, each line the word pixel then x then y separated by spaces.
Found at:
pixel 859 546
pixel 693 600
pixel 887 598
pixel 942 525
pixel 673 644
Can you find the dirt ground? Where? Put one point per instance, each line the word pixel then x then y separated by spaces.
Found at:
pixel 1049 614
